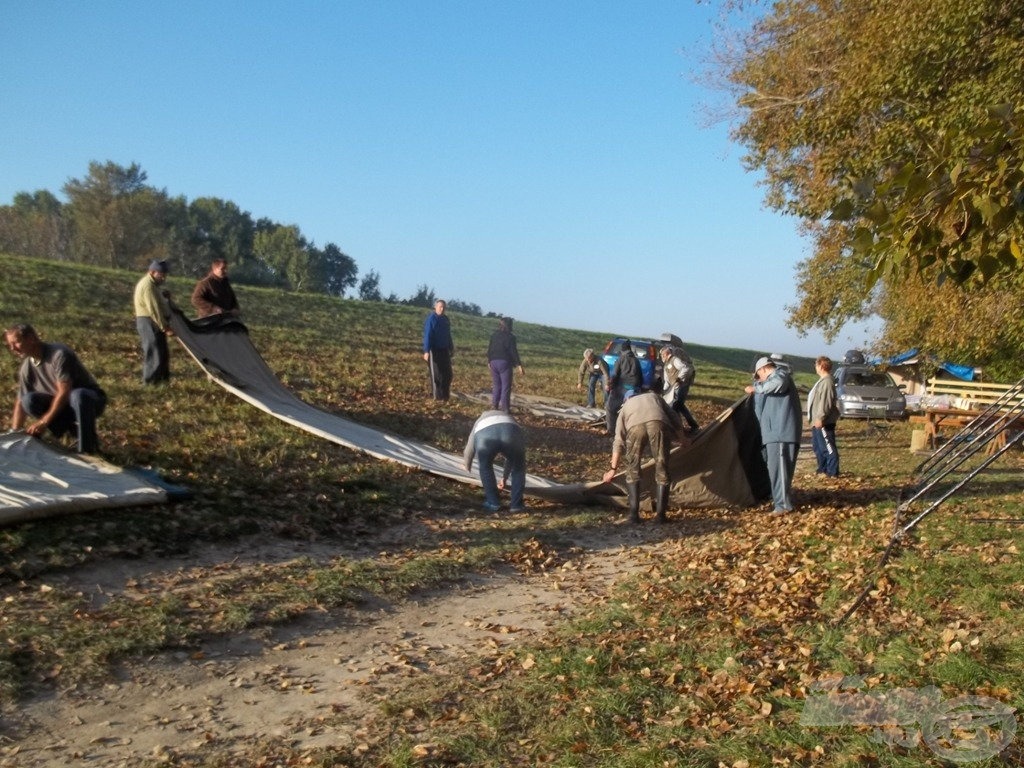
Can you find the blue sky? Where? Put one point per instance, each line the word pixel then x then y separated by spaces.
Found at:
pixel 548 160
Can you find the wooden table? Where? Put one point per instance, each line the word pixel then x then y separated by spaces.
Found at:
pixel 956 419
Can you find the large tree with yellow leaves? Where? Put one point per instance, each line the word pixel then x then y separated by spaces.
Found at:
pixel 893 129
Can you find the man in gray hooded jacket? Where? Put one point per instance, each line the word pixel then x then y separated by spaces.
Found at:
pixel 777 408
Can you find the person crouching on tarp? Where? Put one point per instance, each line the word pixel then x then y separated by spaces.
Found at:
pixel 55 389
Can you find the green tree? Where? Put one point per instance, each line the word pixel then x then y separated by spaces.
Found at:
pixel 281 250
pixel 336 271
pixel 960 214
pixel 424 297
pixel 466 307
pixel 35 225
pixel 118 221
pixel 220 229
pixel 864 118
pixel 369 287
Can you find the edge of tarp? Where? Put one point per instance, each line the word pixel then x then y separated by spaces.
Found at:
pixel 446 465
pixel 39 481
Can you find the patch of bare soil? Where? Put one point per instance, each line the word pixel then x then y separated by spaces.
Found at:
pixel 313 683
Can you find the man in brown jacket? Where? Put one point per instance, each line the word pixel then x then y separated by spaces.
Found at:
pixel 213 295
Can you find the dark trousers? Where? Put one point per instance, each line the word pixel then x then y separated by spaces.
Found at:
pixel 612 405
pixel 441 373
pixel 823 441
pixel 679 394
pixel 156 365
pixel 83 408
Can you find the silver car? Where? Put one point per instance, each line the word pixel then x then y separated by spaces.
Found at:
pixel 868 393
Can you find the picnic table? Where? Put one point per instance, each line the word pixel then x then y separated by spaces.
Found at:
pixel 936 419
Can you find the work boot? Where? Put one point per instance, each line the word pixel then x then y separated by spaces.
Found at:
pixel 661 502
pixel 633 494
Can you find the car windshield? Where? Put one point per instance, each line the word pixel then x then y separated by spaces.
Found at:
pixel 868 379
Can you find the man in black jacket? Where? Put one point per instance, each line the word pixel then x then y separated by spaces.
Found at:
pixel 626 380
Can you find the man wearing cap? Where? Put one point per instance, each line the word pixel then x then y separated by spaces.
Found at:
pixel 152 321
pixel 645 419
pixel 778 412
pixel 678 373
pixel 213 295
pixel 597 369
pixel 55 389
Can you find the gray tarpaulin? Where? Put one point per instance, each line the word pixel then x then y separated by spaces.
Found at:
pixel 39 481
pixel 545 407
pixel 713 472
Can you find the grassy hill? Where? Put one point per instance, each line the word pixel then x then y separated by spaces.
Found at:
pixel 358 358
pixel 705 658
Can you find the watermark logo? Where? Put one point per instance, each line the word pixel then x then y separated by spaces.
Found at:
pixel 962 729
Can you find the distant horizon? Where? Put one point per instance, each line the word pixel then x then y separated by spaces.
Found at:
pixel 486 314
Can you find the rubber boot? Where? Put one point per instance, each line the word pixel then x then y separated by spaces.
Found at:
pixel 661 502
pixel 633 493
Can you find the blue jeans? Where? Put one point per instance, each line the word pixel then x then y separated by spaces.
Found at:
pixel 507 440
pixel 592 387
pixel 823 441
pixel 83 408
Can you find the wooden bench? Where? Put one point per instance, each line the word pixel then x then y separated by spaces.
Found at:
pixel 972 395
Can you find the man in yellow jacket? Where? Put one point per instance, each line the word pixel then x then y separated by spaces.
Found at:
pixel 152 321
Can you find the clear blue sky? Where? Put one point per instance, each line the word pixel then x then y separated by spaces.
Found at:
pixel 546 159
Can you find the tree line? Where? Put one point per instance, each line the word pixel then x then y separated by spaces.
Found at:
pixel 893 130
pixel 113 218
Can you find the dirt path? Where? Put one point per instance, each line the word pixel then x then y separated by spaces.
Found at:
pixel 313 683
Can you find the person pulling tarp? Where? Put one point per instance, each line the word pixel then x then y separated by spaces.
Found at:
pixel 719 470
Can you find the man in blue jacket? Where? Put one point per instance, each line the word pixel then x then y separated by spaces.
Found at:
pixel 438 349
pixel 778 412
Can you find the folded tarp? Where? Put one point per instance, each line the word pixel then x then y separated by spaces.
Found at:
pixel 714 472
pixel 39 481
pixel 549 407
